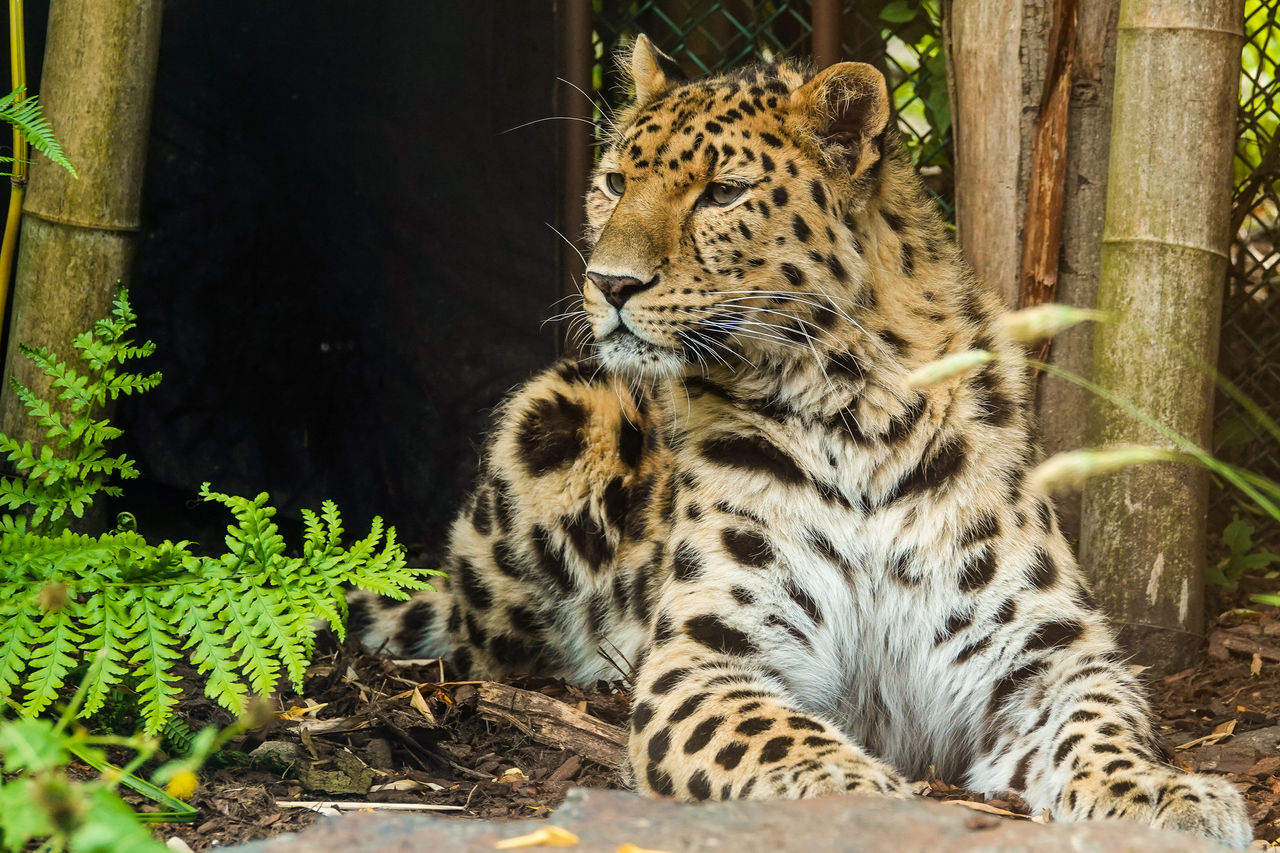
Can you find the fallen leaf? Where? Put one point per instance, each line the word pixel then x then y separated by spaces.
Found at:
pixel 1255 665
pixel 628 847
pixel 547 836
pixel 1222 732
pixel 420 704
pixel 294 713
pixel 985 807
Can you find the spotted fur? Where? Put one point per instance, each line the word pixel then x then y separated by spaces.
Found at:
pixel 825 580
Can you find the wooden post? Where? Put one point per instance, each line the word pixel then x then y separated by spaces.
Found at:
pixel 573 102
pixel 992 133
pixel 825 20
pixel 78 235
pixel 1164 257
pixel 1062 406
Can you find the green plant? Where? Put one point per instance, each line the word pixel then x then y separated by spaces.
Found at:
pixel 244 619
pixel 23 112
pixel 40 802
pixel 1241 558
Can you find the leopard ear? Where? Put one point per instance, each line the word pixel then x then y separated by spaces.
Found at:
pixel 651 69
pixel 849 106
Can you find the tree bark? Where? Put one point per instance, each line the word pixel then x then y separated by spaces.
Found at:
pixel 992 135
pixel 1062 406
pixel 78 234
pixel 1164 255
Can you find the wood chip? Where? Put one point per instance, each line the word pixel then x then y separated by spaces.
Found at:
pixel 1265 766
pixel 328 727
pixel 1223 642
pixel 566 771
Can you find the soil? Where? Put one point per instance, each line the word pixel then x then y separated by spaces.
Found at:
pixel 417 737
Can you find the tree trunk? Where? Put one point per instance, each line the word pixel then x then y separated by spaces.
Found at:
pixel 1164 256
pixel 78 234
pixel 988 82
pixel 1061 406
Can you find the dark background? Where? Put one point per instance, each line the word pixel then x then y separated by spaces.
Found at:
pixel 345 262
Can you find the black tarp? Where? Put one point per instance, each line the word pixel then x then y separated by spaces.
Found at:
pixel 344 260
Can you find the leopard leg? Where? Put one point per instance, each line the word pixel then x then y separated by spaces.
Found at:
pixel 1072 735
pixel 717 711
pixel 544 555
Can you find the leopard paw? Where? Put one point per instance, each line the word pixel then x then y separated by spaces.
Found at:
pixel 1206 805
pixel 847 772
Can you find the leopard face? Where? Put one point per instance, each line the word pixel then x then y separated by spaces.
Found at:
pixel 722 215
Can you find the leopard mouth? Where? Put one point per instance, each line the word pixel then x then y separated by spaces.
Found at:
pixel 623 351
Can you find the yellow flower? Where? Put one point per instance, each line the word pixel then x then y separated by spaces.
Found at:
pixel 182 785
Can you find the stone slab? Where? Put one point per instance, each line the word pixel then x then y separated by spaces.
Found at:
pixel 606 820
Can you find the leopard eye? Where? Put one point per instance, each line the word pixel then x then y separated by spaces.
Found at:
pixel 723 194
pixel 615 183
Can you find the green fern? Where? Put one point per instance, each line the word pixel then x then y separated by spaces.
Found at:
pixel 244 619
pixel 25 114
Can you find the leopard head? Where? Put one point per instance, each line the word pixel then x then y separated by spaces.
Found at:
pixel 722 215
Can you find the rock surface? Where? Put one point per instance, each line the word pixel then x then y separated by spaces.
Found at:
pixel 604 821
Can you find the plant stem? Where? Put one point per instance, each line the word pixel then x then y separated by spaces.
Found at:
pixel 18 180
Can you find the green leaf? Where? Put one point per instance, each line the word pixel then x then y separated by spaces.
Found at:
pixel 210 648
pixel 17 636
pixel 19 822
pixel 25 114
pixel 111 827
pixel 154 651
pixel 30 746
pixel 107 629
pixel 900 12
pixel 56 654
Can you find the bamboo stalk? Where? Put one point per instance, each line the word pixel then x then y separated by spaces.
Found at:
pixel 18 180
pixel 78 235
pixel 1164 257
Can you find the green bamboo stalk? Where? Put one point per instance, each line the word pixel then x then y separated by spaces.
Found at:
pixel 18 180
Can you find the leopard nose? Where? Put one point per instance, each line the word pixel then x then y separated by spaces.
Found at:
pixel 617 289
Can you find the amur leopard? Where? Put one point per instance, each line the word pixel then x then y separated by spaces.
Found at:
pixel 826 580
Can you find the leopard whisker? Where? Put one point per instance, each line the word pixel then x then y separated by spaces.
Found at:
pixel 550 118
pixel 576 251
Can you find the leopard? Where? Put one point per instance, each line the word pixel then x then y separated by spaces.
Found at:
pixel 816 575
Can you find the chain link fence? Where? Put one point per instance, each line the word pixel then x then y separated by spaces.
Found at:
pixel 1245 432
pixel 900 37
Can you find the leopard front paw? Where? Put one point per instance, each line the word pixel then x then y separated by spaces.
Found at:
pixel 847 771
pixel 1205 805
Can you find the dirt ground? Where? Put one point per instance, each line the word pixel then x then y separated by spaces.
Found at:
pixel 390 732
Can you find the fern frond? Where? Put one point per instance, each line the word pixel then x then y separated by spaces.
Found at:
pixel 154 651
pixel 253 653
pixel 17 637
pixel 107 640
pixel 56 647
pixel 39 409
pixel 286 630
pixel 26 115
pixel 209 647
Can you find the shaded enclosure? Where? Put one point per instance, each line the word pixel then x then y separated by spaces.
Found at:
pixel 346 257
